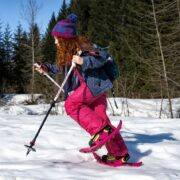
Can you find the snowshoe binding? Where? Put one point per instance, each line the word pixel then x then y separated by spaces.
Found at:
pixel 101 138
pixel 110 160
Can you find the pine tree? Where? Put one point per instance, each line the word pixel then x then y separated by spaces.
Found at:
pixel 7 41
pixel 2 51
pixel 82 9
pixel 2 57
pixel 22 70
pixel 167 30
pixel 101 25
pixel 132 49
pixel 48 45
pixel 49 56
pixel 128 29
pixel 63 11
pixel 7 63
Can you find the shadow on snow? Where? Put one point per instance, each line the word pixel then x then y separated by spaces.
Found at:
pixel 136 139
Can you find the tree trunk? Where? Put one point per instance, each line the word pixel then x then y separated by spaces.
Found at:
pixel 163 60
pixel 33 61
pixel 178 7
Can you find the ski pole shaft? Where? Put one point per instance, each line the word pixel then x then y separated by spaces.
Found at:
pixel 63 83
pixel 32 143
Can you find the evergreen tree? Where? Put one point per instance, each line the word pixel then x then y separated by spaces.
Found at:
pixel 7 41
pixel 2 51
pixel 128 46
pixel 22 70
pixel 81 8
pixel 140 46
pixel 101 25
pixel 7 63
pixel 48 45
pixel 49 56
pixel 168 25
pixel 128 29
pixel 2 56
pixel 63 11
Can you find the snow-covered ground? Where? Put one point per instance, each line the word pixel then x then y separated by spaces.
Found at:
pixel 154 141
pixel 17 105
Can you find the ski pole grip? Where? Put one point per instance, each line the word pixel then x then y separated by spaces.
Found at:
pixel 36 65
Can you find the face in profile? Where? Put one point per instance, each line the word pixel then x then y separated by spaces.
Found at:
pixel 56 41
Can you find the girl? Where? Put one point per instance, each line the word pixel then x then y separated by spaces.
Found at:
pixel 85 90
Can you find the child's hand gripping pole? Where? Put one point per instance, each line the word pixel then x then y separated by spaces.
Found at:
pixel 38 67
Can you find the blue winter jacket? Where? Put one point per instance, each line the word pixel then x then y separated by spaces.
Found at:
pixel 92 72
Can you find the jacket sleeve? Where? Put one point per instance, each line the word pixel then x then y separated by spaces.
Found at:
pixel 93 62
pixel 52 68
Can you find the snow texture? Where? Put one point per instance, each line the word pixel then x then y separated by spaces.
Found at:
pixel 154 141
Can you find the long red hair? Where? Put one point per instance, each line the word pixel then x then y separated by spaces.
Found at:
pixel 66 48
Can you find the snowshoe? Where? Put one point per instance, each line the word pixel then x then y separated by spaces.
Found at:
pixel 115 161
pixel 101 138
pixel 110 158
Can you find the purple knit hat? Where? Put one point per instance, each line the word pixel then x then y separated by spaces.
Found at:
pixel 66 28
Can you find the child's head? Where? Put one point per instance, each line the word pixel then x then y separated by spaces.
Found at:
pixel 67 41
pixel 66 28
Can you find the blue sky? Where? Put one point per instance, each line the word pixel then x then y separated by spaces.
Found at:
pixel 10 12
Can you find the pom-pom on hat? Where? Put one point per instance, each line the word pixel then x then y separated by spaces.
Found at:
pixel 66 28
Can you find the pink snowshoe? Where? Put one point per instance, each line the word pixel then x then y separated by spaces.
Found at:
pixel 101 138
pixel 115 161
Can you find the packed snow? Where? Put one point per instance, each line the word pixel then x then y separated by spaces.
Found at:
pixel 154 141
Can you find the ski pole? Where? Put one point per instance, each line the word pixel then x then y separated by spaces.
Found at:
pixel 32 143
pixel 49 77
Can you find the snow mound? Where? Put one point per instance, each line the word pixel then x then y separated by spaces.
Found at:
pixel 16 99
pixel 155 108
pixel 40 109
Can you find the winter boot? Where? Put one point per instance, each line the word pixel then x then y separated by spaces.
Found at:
pixel 104 133
pixel 112 159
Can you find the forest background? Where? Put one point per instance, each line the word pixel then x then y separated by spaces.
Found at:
pixel 143 36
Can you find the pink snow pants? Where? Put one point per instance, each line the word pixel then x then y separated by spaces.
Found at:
pixel 90 113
